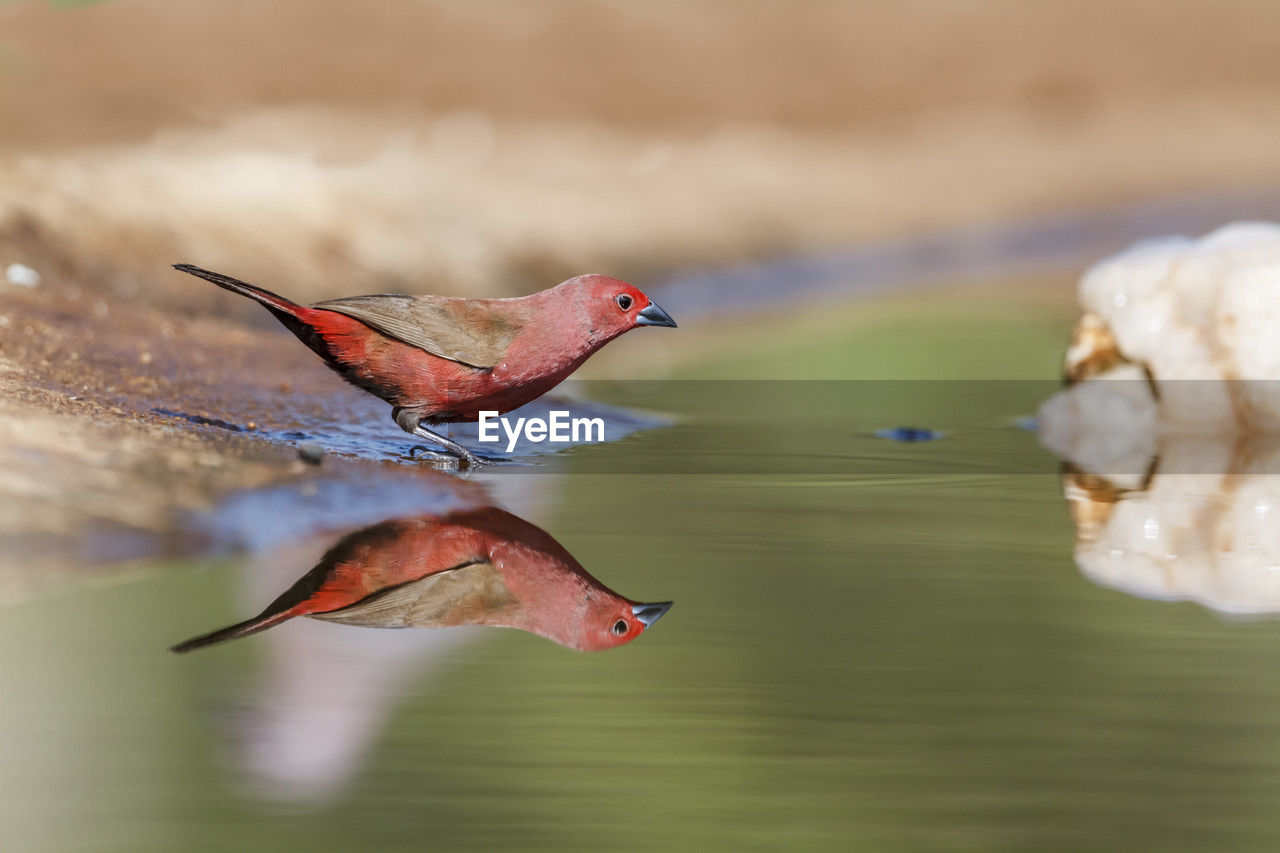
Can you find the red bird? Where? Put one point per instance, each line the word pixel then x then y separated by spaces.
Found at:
pixel 438 359
pixel 478 567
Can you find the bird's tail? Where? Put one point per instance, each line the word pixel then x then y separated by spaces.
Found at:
pixel 232 632
pixel 276 303
pixel 322 330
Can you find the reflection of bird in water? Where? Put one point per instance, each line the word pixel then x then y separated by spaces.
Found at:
pixel 474 567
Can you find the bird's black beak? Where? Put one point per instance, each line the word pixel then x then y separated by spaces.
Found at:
pixel 650 613
pixel 652 315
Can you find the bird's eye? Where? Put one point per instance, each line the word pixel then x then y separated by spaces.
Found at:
pixel 623 300
pixel 619 627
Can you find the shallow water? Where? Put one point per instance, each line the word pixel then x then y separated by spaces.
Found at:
pixel 874 645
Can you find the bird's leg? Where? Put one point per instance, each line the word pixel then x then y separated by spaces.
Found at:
pixel 411 422
pixel 466 457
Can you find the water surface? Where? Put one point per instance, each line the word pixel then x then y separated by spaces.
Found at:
pixel 874 645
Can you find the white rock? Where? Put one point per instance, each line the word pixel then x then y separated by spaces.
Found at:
pixel 1196 315
pixel 1175 492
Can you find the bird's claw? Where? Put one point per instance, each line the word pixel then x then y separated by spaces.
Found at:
pixel 446 460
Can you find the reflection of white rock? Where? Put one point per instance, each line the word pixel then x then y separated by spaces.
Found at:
pixel 1103 426
pixel 1206 309
pixel 1190 534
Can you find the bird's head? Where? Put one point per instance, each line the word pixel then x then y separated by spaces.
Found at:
pixel 612 306
pixel 613 621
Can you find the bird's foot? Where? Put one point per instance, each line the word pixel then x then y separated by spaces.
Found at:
pixel 463 460
pixel 432 455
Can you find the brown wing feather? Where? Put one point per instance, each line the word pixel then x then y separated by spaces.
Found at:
pixel 467 331
pixel 462 595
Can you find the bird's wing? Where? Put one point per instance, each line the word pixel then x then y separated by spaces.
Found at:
pixel 471 332
pixel 462 595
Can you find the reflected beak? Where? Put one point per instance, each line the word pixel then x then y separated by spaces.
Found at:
pixel 650 613
pixel 652 315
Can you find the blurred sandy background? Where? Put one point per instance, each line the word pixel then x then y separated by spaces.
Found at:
pixel 489 147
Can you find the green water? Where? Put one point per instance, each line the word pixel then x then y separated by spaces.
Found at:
pixel 897 661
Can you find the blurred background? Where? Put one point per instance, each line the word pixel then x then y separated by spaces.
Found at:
pixel 877 644
pixel 496 147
